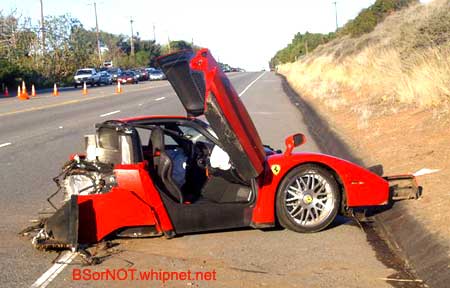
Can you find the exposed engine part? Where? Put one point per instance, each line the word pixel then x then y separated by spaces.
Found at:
pixel 85 182
pixel 82 177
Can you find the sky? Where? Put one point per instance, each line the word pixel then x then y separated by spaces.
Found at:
pixel 241 33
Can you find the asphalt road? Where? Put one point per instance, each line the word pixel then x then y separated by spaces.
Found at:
pixel 42 132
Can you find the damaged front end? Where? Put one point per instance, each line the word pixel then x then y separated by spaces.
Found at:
pixel 59 231
pixel 105 192
pixel 79 177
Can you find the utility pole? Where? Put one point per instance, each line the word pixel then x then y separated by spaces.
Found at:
pixel 335 9
pixel 168 43
pixel 42 28
pixel 154 33
pixel 131 40
pixel 98 40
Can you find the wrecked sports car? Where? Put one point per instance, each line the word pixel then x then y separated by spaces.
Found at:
pixel 165 175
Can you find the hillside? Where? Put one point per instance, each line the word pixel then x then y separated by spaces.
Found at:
pixel 387 93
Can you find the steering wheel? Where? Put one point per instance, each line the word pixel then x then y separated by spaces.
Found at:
pixel 201 154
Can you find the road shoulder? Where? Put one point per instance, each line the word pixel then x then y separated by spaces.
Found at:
pixel 422 250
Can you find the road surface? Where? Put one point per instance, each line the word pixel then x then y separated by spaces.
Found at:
pixel 36 137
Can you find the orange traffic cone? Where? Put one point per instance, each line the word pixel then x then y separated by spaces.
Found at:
pixel 24 91
pixel 85 92
pixel 55 90
pixel 33 91
pixel 6 93
pixel 20 94
pixel 118 88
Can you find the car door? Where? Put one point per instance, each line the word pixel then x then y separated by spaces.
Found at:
pixel 205 90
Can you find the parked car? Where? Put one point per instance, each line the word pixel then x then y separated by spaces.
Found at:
pixel 142 74
pixel 125 188
pixel 157 74
pixel 86 75
pixel 115 72
pixel 105 78
pixel 128 77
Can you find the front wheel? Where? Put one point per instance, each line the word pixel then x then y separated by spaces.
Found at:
pixel 308 199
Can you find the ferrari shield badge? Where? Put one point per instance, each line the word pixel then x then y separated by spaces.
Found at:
pixel 275 169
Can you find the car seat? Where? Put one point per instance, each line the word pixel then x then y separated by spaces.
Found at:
pixel 163 165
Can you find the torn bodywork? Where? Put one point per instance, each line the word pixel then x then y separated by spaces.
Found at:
pixel 403 187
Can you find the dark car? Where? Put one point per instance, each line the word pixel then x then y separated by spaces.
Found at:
pixel 115 72
pixel 105 78
pixel 192 176
pixel 142 74
pixel 128 77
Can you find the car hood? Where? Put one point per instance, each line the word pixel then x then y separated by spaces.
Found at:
pixel 205 90
pixel 82 76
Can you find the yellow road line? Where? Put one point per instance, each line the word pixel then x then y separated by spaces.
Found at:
pixel 71 102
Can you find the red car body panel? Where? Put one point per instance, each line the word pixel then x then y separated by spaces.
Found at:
pixel 135 202
pixel 360 186
pixel 146 117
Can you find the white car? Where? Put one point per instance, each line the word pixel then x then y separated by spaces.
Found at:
pixel 88 75
pixel 156 75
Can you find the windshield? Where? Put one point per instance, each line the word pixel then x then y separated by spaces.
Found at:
pixel 84 72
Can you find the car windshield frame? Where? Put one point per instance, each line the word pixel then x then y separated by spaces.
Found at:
pixel 84 72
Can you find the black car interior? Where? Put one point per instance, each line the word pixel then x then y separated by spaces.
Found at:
pixel 209 198
pixel 201 181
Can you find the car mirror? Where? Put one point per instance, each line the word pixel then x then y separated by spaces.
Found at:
pixel 293 141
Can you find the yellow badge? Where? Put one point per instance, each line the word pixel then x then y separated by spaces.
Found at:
pixel 275 169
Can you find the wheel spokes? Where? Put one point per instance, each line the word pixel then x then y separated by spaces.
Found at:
pixel 300 207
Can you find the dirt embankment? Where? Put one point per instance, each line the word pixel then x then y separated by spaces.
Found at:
pixel 387 94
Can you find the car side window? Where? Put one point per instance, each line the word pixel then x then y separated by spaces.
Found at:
pixel 169 141
pixel 144 135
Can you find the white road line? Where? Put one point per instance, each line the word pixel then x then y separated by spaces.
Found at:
pixel 5 144
pixel 251 84
pixel 110 113
pixel 57 268
pixel 160 98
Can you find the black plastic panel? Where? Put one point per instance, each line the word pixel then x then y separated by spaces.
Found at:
pixel 188 84
pixel 204 215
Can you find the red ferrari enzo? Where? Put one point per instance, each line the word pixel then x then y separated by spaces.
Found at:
pixel 164 175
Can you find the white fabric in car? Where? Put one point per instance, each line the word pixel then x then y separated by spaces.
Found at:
pixel 219 159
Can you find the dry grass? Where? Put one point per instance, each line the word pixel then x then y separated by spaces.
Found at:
pixel 388 93
pixel 406 60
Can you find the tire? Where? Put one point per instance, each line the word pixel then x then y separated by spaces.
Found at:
pixel 307 199
pixel 75 86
